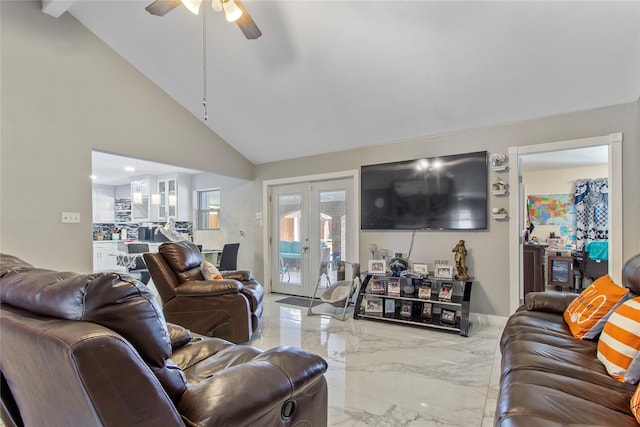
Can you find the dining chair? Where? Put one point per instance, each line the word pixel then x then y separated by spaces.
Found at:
pixel 140 266
pixel 229 257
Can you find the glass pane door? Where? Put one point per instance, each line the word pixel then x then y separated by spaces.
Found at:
pixel 310 223
pixel 332 230
pixel 290 241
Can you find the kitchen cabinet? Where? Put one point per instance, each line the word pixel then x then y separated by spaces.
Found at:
pixel 174 193
pixel 103 203
pixel 167 190
pixel 104 258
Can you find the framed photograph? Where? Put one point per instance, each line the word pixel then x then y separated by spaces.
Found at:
pixel 378 266
pixel 427 309
pixel 389 308
pixel 373 306
pixel 393 286
pixel 444 271
pixel 421 269
pixel 405 309
pixel 448 316
pixel 377 286
pixel 446 289
pixel 424 291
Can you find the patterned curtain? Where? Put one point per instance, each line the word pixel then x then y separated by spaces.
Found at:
pixel 591 201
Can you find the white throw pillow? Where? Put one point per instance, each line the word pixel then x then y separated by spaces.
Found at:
pixel 209 271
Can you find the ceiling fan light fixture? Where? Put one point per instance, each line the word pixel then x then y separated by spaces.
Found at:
pixel 192 5
pixel 216 5
pixel 231 10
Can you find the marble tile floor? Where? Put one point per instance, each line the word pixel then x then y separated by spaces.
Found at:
pixel 390 375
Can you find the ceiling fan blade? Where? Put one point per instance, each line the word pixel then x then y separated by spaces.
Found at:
pixel 246 24
pixel 162 7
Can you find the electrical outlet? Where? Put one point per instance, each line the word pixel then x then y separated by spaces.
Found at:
pixel 71 217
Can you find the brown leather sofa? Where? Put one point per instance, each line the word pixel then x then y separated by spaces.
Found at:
pixel 230 308
pixel 549 378
pixel 95 350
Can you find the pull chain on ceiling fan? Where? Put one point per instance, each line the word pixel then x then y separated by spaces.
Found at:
pixel 234 11
pixel 204 66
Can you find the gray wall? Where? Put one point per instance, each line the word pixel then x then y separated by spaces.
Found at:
pixel 488 250
pixel 64 92
pixel 239 201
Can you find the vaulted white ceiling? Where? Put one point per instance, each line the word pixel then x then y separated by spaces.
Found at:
pixel 333 75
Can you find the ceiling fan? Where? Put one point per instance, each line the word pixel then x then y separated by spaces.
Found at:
pixel 234 11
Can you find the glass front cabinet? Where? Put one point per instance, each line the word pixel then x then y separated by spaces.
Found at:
pixel 167 190
pixel 173 197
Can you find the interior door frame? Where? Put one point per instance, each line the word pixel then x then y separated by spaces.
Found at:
pixel 352 174
pixel 614 143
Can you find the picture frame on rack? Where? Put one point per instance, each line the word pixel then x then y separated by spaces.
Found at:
pixel 373 306
pixel 448 316
pixel 377 267
pixel 427 310
pixel 424 290
pixel 444 271
pixel 405 309
pixel 389 307
pixel 393 286
pixel 446 291
pixel 377 286
pixel 421 269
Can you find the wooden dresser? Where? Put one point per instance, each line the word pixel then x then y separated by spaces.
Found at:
pixel 533 265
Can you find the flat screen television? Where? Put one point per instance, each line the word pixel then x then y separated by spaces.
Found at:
pixel 437 193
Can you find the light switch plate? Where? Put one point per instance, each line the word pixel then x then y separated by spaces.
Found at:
pixel 71 217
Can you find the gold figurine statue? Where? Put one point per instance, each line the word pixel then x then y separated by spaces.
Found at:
pixel 461 257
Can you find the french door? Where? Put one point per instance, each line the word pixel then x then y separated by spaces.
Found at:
pixel 310 222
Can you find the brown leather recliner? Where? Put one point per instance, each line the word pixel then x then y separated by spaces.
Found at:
pixel 95 350
pixel 229 308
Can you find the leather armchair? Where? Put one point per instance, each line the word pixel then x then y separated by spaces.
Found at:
pixel 94 350
pixel 229 308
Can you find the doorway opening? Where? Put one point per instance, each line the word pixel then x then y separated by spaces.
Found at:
pixel 520 155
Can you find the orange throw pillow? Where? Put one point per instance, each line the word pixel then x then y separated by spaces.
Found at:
pixel 635 404
pixel 587 314
pixel 619 344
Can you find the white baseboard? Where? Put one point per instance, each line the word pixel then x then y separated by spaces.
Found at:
pixel 487 319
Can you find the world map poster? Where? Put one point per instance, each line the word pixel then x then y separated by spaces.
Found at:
pixel 551 209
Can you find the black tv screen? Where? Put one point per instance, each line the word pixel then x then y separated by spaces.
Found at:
pixel 438 193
